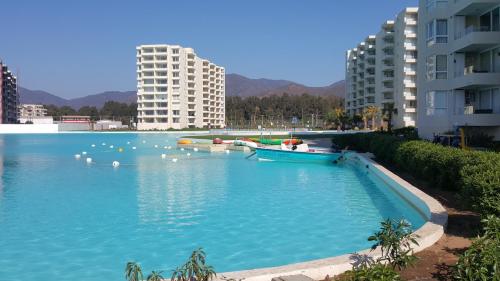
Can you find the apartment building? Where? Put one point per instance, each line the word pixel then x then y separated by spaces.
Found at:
pixel 360 77
pixel 9 96
pixel 459 66
pixel 32 111
pixel 381 71
pixel 177 89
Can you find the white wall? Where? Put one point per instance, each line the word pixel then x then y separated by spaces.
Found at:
pixel 28 128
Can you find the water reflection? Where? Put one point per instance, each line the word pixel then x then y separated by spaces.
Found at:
pixel 178 194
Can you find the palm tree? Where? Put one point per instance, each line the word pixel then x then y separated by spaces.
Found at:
pixel 388 112
pixel 155 276
pixel 133 272
pixel 194 269
pixel 371 112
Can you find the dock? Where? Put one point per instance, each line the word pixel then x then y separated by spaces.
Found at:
pixel 208 147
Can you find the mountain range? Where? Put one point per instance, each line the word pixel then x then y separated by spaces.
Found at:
pixel 236 85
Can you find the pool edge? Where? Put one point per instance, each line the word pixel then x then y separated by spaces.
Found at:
pixel 429 233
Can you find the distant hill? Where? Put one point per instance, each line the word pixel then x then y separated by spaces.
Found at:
pixel 97 100
pixel 40 97
pixel 236 85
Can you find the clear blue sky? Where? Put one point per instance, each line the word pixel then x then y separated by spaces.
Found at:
pixel 75 48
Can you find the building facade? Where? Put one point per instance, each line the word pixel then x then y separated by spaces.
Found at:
pixel 9 96
pixel 459 66
pixel 177 89
pixel 31 111
pixel 381 70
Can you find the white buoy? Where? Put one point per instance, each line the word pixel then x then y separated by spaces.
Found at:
pixel 165 147
pixel 89 160
pixel 169 147
pixel 227 151
pixel 195 149
pixel 134 148
pixel 163 156
pixel 103 143
pixel 143 141
pixel 174 160
pixel 77 156
pixel 111 146
pixel 116 164
pixel 156 146
pixel 84 152
pixel 188 154
pixel 128 142
pixel 93 145
pixel 182 149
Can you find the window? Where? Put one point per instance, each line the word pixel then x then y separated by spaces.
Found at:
pixel 437 67
pixel 441 67
pixel 175 120
pixel 433 4
pixel 175 82
pixel 430 31
pixel 437 103
pixel 441 31
pixel 175 74
pixel 176 112
pixel 437 32
pixel 495 14
pixel 175 66
pixel 175 51
pixel 175 58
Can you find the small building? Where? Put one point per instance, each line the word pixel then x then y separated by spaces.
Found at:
pixel 109 125
pixel 75 123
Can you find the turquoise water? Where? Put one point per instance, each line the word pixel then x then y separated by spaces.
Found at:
pixel 61 218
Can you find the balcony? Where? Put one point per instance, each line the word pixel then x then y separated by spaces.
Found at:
pixel 410 110
pixel 474 78
pixel 472 7
pixel 410 35
pixel 473 117
pixel 409 96
pixel 410 21
pixel 410 59
pixel 475 39
pixel 409 84
pixel 410 47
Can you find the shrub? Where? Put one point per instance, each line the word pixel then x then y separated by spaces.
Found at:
pixel 195 269
pixel 475 175
pixel 482 260
pixel 377 272
pixel 395 240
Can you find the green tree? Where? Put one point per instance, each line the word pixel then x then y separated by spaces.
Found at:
pixel 387 113
pixel 195 269
pixel 133 272
pixel 89 111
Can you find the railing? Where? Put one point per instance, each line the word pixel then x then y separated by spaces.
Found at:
pixel 470 29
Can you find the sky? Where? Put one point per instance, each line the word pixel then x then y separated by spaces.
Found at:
pixel 76 48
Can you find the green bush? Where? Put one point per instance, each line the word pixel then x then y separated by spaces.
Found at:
pixel 482 260
pixel 475 175
pixel 377 272
pixel 395 240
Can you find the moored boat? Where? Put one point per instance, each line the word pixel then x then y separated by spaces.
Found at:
pixel 277 154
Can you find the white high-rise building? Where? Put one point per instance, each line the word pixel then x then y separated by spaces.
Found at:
pixel 381 70
pixel 459 66
pixel 177 89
